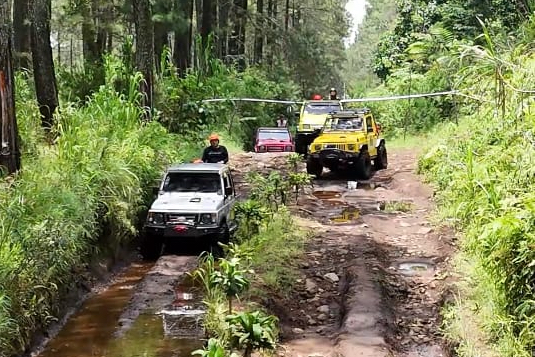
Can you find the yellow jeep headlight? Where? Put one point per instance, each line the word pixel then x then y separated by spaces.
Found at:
pixel 306 126
pixel 350 147
pixel 317 147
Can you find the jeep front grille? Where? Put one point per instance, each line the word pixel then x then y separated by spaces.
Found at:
pixel 182 218
pixel 334 146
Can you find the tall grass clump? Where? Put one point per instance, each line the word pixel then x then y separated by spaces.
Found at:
pixel 73 199
pixel 484 173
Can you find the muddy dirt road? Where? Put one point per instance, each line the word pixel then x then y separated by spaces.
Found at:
pixel 372 280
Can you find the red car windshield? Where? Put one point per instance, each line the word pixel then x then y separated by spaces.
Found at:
pixel 274 135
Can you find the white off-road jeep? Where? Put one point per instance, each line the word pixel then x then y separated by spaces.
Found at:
pixel 194 201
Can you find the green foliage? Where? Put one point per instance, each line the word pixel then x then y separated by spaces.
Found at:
pixel 213 348
pixel 482 169
pixel 252 331
pixel 72 200
pixel 251 214
pixel 231 278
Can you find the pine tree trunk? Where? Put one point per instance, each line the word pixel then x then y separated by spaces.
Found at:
pixel 9 145
pixel 259 37
pixel 223 28
pixel 182 50
pixel 43 63
pixel 160 41
pixel 21 29
pixel 237 40
pixel 207 21
pixel 145 51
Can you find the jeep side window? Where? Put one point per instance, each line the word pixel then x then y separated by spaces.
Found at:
pixel 369 124
pixel 228 183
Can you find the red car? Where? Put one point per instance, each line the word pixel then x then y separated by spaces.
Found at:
pixel 273 140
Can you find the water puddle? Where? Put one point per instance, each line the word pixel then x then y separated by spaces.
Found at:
pixel 147 337
pixel 183 317
pixel 348 215
pixel 88 331
pixel 327 195
pixel 416 267
pixel 174 331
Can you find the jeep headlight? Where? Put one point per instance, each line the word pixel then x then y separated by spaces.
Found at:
pixel 208 218
pixel 317 147
pixel 156 218
pixel 350 147
pixel 306 126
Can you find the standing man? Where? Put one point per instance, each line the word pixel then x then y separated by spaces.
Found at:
pixel 333 94
pixel 215 153
pixel 281 121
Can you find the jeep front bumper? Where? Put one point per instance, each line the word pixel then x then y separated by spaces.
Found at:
pixel 180 230
pixel 330 157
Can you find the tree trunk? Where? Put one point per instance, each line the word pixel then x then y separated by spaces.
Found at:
pixel 160 41
pixel 94 33
pixel 145 51
pixel 237 40
pixel 259 38
pixel 270 41
pixel 44 74
pixel 223 28
pixel 21 23
pixel 207 22
pixel 9 145
pixel 182 51
pixel 287 16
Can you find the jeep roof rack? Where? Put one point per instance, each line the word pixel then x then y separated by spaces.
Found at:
pixel 201 167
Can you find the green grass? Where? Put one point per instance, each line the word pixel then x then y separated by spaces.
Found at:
pixel 483 174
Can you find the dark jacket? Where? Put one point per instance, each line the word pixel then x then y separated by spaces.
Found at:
pixel 215 155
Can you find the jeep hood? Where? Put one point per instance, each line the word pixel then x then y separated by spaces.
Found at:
pixel 187 202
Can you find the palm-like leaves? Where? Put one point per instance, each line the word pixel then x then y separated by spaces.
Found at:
pixel 252 330
pixel 231 279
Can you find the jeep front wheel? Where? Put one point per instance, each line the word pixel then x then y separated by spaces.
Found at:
pixel 363 166
pixel 314 168
pixel 381 161
pixel 151 247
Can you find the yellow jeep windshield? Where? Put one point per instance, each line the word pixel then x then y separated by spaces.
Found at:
pixel 344 124
pixel 321 108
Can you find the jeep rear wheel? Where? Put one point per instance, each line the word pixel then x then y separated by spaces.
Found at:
pixel 363 166
pixel 381 161
pixel 151 247
pixel 314 168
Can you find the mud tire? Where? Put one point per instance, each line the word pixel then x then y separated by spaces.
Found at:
pixel 363 166
pixel 314 168
pixel 151 247
pixel 381 161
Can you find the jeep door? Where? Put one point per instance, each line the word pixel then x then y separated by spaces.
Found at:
pixel 230 200
pixel 371 136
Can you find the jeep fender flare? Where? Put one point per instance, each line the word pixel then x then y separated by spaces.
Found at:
pixel 379 142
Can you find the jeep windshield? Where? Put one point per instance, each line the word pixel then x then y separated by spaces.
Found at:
pixel 274 135
pixel 192 182
pixel 343 124
pixel 321 108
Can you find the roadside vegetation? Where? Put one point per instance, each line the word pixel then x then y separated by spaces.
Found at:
pixel 478 153
pixel 262 260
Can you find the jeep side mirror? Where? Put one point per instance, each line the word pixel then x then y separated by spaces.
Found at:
pixel 378 126
pixel 228 191
pixel 297 114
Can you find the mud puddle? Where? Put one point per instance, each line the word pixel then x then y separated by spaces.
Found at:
pixel 173 331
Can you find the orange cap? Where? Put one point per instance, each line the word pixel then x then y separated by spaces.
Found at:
pixel 213 137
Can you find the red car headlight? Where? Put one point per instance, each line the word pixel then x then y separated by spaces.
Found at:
pixel 288 148
pixel 261 148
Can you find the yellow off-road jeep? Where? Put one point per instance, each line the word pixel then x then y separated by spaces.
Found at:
pixel 312 117
pixel 349 141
